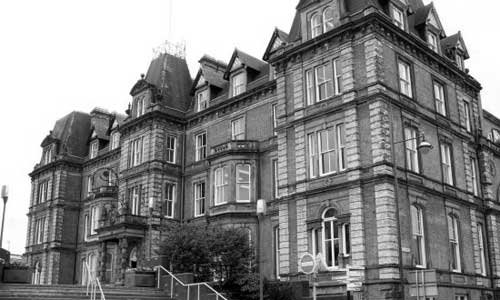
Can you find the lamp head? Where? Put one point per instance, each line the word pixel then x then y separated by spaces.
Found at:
pixel 5 192
pixel 261 207
pixel 424 146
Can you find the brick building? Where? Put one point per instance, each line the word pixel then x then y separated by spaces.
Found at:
pixel 314 129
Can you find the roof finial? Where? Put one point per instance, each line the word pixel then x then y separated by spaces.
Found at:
pixel 142 75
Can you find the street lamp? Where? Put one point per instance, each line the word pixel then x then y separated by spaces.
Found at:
pixel 5 197
pixel 261 212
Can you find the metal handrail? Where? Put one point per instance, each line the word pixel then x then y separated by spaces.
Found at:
pixel 94 284
pixel 173 277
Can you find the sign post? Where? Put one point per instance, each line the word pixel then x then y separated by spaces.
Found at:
pixel 307 265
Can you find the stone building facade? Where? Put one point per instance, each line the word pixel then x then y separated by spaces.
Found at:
pixel 326 128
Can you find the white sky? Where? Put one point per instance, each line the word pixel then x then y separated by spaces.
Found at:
pixel 57 56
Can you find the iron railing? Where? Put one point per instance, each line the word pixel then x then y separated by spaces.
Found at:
pixel 182 291
pixel 93 284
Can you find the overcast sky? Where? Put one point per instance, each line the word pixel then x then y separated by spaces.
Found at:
pixel 60 56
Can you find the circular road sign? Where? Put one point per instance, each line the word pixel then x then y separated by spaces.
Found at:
pixel 307 264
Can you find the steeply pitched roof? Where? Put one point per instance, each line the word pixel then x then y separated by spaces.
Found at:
pixel 455 41
pixel 170 76
pixel 212 71
pixel 72 131
pixel 247 60
pixel 278 39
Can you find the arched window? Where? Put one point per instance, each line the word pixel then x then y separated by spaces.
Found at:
pixel 331 242
pixel 315 25
pixel 37 273
pixel 417 225
pixel 327 19
pixel 453 234
pixel 133 258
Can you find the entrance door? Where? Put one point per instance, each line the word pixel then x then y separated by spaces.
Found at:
pixel 37 273
pixel 85 274
pixel 109 267
pixel 93 265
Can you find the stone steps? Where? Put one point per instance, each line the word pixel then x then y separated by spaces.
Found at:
pixel 70 292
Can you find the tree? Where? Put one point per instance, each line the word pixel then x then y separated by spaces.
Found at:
pixel 213 253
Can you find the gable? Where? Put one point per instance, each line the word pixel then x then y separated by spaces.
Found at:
pixel 433 19
pixel 277 44
pixel 115 124
pixel 236 64
pixel 201 81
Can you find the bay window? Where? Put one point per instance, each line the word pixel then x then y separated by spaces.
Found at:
pixel 243 182
pixel 221 183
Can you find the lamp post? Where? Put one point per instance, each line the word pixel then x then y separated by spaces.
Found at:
pixel 261 212
pixel 424 147
pixel 5 197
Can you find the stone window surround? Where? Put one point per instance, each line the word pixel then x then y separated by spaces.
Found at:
pixel 312 98
pixel 445 96
pixel 401 59
pixel 322 25
pixel 447 140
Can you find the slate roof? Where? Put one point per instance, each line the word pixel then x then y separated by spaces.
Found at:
pixel 170 75
pixel 72 131
pixel 452 41
pixel 248 60
pixel 421 14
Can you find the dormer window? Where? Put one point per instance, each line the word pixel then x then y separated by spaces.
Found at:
pixel 48 155
pixel 432 40
pixel 94 149
pixel 239 84
pixel 321 22
pixel 115 140
pixel 140 106
pixel 327 19
pixel 459 59
pixel 398 17
pixel 315 25
pixel 202 100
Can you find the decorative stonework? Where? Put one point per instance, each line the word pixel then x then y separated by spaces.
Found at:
pixel 387 232
pixel 284 239
pixel 380 136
